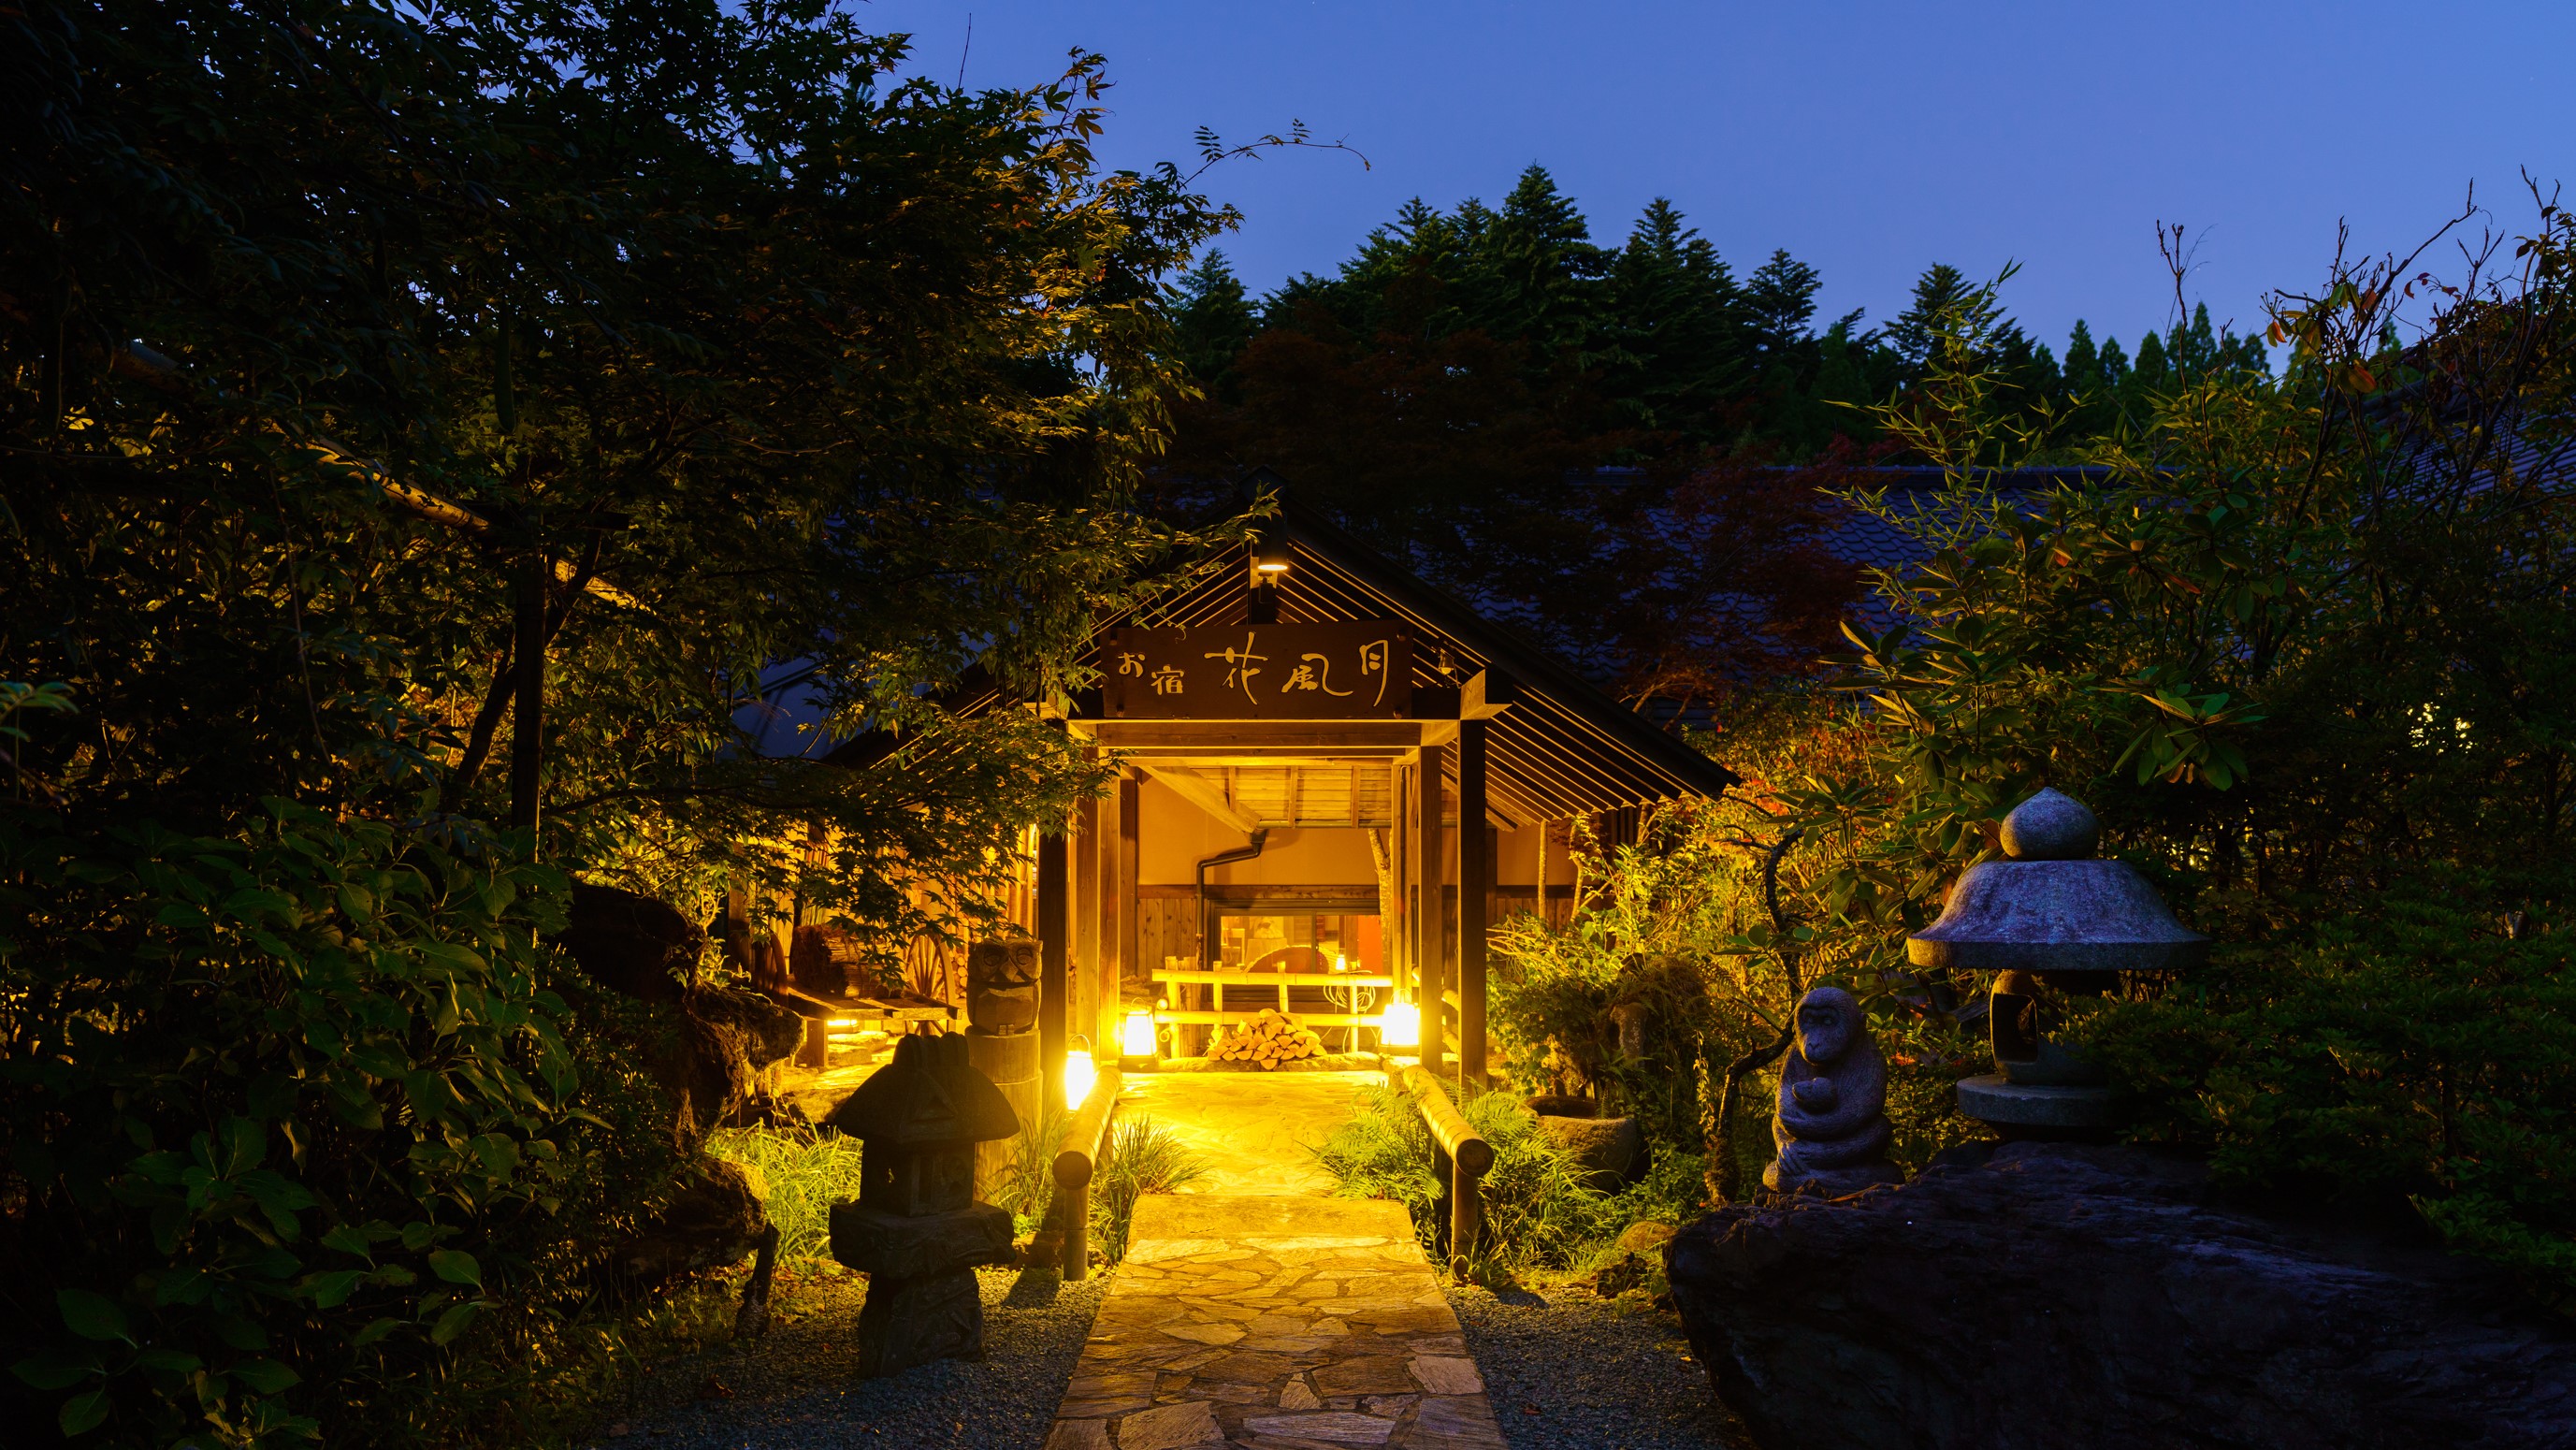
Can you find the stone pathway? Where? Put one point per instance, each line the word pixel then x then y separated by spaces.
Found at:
pixel 1287 1323
pixel 1252 1128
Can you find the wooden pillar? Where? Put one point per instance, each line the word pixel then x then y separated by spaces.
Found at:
pixel 1118 957
pixel 1082 962
pixel 1430 914
pixel 1055 926
pixel 1475 881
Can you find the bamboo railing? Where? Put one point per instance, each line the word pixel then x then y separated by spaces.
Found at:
pixel 1077 1157
pixel 1460 1158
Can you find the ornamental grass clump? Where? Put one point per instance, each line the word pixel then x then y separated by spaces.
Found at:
pixel 1029 1183
pixel 1143 1158
pixel 803 1171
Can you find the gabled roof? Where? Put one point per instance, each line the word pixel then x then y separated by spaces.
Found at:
pixel 1563 748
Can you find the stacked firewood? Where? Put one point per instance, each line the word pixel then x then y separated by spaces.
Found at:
pixel 1270 1039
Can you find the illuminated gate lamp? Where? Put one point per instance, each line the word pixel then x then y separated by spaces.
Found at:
pixel 2050 921
pixel 1400 1025
pixel 1137 1044
pixel 1079 1074
pixel 1271 558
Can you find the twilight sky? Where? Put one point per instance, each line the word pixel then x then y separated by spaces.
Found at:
pixel 1870 139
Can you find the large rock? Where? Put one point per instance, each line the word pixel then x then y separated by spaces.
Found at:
pixel 631 943
pixel 2036 1295
pixel 717 1217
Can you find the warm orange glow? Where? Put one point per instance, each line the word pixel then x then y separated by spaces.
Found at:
pixel 1078 1076
pixel 1400 1025
pixel 1136 1035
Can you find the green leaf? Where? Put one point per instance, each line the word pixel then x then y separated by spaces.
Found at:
pixel 266 1375
pixel 83 1413
pixel 331 1290
pixel 454 1321
pixel 348 1238
pixel 374 1331
pixel 457 1267
pixel 92 1316
pixel 52 1371
pixel 170 1361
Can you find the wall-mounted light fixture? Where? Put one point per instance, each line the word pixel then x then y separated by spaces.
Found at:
pixel 1271 558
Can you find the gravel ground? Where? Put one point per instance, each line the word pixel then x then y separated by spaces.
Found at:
pixel 1569 1370
pixel 794 1387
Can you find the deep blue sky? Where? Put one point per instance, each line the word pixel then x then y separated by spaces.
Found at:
pixel 1868 139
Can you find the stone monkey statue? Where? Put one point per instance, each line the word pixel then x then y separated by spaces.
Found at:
pixel 1831 1125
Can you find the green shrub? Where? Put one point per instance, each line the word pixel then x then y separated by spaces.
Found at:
pixel 2412 1055
pixel 1143 1159
pixel 1539 1213
pixel 285 1113
pixel 806 1171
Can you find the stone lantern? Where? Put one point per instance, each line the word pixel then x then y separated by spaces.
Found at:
pixel 916 1229
pixel 2050 921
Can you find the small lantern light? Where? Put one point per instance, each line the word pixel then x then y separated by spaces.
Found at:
pixel 1270 558
pixel 1078 1073
pixel 1136 1039
pixel 1400 1025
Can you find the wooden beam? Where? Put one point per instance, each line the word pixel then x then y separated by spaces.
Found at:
pixel 1082 967
pixel 1430 913
pixel 1206 794
pixel 1475 877
pixel 1244 737
pixel 1055 926
pixel 1130 919
pixel 1486 695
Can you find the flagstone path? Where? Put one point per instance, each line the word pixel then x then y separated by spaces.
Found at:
pixel 1252 1129
pixel 1287 1323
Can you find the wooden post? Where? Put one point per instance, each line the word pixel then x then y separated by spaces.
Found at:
pixel 1123 959
pixel 1116 915
pixel 1055 924
pixel 1475 879
pixel 1459 1157
pixel 1077 1158
pixel 1082 964
pixel 1430 916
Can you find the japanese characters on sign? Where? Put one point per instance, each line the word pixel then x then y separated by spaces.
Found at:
pixel 1340 671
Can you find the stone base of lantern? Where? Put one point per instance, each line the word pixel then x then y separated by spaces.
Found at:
pixel 914 1321
pixel 923 1302
pixel 2019 1110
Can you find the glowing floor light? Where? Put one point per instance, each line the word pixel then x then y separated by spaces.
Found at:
pixel 1136 1034
pixel 1400 1025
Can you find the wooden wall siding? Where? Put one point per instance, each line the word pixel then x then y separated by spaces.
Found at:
pixel 1355 793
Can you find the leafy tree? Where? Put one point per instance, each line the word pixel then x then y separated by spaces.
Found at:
pixel 641 351
pixel 2302 655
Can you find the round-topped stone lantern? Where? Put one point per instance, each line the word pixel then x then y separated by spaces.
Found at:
pixel 2051 921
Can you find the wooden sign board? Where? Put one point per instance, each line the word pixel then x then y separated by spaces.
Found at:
pixel 1339 671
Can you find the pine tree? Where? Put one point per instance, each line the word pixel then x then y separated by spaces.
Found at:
pixel 1212 319
pixel 1533 271
pixel 1672 344
pixel 1780 307
pixel 1945 303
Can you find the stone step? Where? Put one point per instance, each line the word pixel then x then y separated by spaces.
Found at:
pixel 1288 1323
